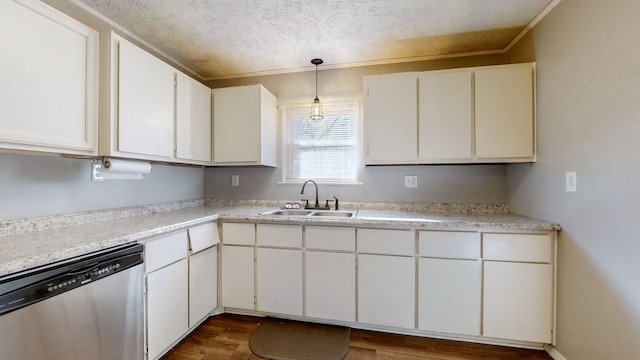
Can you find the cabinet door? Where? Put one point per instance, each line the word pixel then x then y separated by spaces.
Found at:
pixel 446 113
pixel 145 103
pixel 279 281
pixel 236 124
pixel 449 296
pixel 504 112
pixel 193 120
pixel 518 301
pixel 238 277
pixel 386 290
pixel 49 72
pixel 330 285
pixel 391 118
pixel 167 306
pixel 203 284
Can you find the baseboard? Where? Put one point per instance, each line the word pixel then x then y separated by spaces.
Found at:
pixel 553 353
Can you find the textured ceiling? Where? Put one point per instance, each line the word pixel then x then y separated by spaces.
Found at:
pixel 233 38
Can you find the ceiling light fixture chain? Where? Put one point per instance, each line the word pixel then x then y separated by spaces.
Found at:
pixel 316 107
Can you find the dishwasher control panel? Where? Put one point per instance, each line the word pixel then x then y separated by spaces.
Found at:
pixel 52 282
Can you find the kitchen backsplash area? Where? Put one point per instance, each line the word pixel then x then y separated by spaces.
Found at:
pixel 35 186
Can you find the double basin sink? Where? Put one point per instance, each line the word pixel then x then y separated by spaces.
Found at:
pixel 310 213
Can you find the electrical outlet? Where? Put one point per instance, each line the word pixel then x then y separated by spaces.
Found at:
pixel 410 181
pixel 96 172
pixel 571 181
pixel 235 180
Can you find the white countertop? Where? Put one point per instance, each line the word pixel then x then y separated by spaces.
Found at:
pixel 29 243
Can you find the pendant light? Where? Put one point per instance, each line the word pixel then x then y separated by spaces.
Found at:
pixel 316 107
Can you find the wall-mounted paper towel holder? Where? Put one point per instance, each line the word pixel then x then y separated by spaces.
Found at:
pixel 119 169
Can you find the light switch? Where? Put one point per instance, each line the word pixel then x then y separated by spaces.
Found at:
pixel 235 180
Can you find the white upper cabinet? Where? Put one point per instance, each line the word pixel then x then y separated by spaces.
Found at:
pixel 193 120
pixel 145 103
pixel 470 115
pixel 244 126
pixel 49 72
pixel 150 110
pixel 446 110
pixel 505 113
pixel 391 118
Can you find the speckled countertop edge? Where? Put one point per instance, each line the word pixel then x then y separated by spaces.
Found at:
pixel 26 250
pixel 29 243
pixel 380 218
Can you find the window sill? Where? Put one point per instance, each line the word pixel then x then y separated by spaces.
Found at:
pixel 321 182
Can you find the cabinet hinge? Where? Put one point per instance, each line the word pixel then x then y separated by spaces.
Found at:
pixel 145 287
pixel 146 351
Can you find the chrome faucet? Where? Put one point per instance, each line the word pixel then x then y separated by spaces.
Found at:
pixel 317 205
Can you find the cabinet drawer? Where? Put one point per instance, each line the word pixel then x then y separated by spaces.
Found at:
pixel 165 250
pixel 238 234
pixel 386 242
pixel 289 236
pixel 517 247
pixel 203 236
pixel 449 244
pixel 330 238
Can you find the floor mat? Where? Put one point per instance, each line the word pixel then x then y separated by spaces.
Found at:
pixel 293 340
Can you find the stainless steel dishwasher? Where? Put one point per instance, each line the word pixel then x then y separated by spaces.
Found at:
pixel 90 307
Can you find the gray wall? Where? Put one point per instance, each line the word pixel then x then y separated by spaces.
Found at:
pixel 33 186
pixel 443 184
pixel 459 184
pixel 588 77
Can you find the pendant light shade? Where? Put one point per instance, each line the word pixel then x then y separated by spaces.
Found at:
pixel 316 107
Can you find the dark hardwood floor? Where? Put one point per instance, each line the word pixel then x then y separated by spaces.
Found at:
pixel 227 336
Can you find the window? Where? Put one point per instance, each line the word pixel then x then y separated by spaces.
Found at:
pixel 326 150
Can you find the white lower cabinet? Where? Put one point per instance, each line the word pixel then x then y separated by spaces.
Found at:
pixel 518 301
pixel 518 287
pixel 449 295
pixel 386 290
pixel 449 282
pixel 203 284
pixel 458 283
pixel 181 284
pixel 279 268
pixel 167 306
pixel 330 285
pixel 279 281
pixel 330 273
pixel 238 277
pixel 238 258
